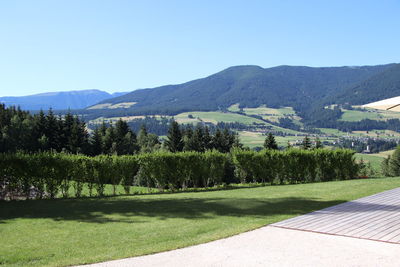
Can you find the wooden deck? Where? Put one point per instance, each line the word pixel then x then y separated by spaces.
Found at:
pixel 375 217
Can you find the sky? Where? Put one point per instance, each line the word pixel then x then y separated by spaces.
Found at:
pixel 121 45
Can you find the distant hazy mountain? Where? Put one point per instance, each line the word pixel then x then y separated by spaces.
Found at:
pixel 59 100
pixel 251 86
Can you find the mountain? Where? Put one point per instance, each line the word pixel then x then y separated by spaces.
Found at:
pixel 59 100
pixel 251 86
pixel 385 84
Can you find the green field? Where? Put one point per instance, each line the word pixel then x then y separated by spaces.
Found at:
pixel 368 113
pixel 274 114
pixel 356 115
pixel 331 131
pixel 371 158
pixel 253 139
pixel 77 231
pixel 375 159
pixel 256 139
pixel 215 117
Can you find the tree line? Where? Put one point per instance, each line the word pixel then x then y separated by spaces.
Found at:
pixel 22 131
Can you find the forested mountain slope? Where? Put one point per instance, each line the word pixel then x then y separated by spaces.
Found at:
pixel 383 85
pixel 251 86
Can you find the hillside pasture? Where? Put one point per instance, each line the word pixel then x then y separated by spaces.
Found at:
pixel 357 115
pixel 256 139
pixel 215 116
pixel 273 114
pixel 112 106
pixel 368 113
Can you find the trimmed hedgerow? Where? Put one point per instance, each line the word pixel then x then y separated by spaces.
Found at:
pixel 52 175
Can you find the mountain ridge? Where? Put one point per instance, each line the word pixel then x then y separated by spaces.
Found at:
pixel 251 86
pixel 75 99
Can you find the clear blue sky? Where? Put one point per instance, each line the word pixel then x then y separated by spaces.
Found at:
pixel 124 45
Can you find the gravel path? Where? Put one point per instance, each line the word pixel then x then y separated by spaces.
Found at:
pixel 272 246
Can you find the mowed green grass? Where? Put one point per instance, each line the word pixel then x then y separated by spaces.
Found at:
pixel 77 231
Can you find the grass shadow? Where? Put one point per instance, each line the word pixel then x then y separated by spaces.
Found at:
pixel 136 210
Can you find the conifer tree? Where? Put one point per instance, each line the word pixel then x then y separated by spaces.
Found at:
pixel 188 139
pixel 288 145
pixel 174 140
pixel 52 131
pixel 318 143
pixel 142 137
pixel 96 142
pixel 394 163
pixel 125 140
pixel 207 139
pixel 385 166
pixel 78 137
pixel 218 140
pixel 198 143
pixel 270 142
pixel 229 140
pixel 109 141
pixel 306 143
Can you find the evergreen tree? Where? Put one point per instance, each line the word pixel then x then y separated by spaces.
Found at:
pixel 270 142
pixel 142 137
pixel 125 139
pixel 153 143
pixel 78 137
pixel 288 145
pixel 109 141
pixel 66 131
pixel 229 140
pixel 174 140
pixel 306 143
pixel 198 142
pixel 394 163
pixel 218 140
pixel 187 139
pixel 96 142
pixel 236 142
pixel 38 131
pixel 318 143
pixel 385 166
pixel 207 139
pixel 52 131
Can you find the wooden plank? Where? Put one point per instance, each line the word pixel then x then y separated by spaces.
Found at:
pixel 375 217
pixel 317 215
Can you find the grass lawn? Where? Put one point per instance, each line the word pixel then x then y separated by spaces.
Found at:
pixel 77 231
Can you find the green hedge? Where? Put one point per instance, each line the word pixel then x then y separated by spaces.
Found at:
pixel 50 175
pixel 295 165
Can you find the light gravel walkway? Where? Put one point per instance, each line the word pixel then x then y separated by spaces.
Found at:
pixel 272 246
